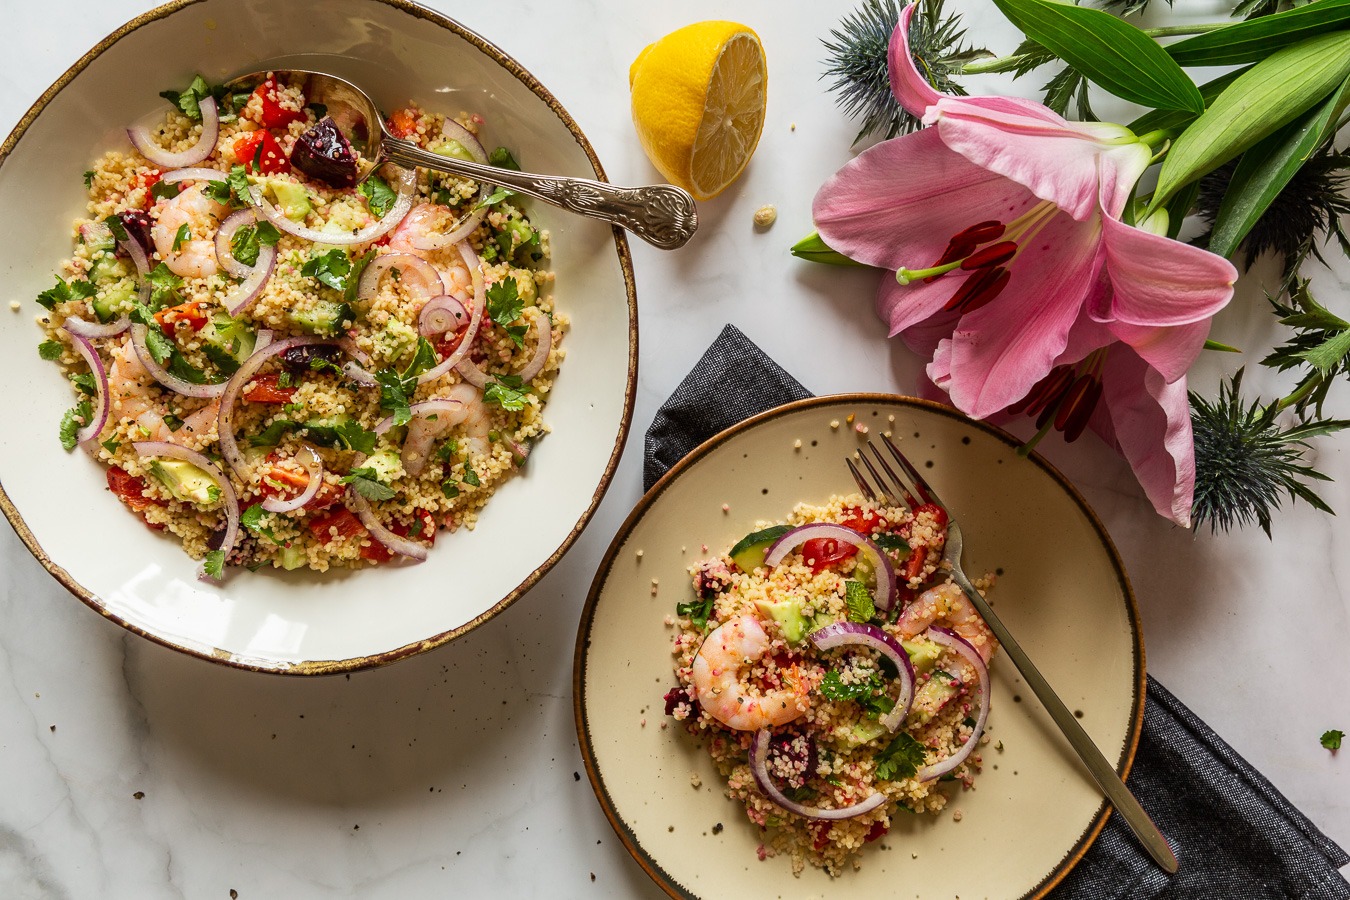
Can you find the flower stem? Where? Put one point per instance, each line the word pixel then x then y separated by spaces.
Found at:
pixel 1300 393
pixel 1025 450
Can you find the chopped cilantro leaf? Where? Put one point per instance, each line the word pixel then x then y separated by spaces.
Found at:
pixel 64 290
pixel 1332 739
pixel 901 758
pixel 366 482
pixel 471 477
pixel 449 489
pixel 84 381
pixel 698 611
pixel 252 519
pixel 495 197
pixel 189 101
pixel 112 445
pixel 380 197
pixel 249 239
pixel 502 159
pixel 89 178
pixel 164 285
pixel 233 190
pixel 891 542
pixel 504 303
pixel 119 231
pixel 178 365
pixel 832 687
pixel 273 433
pixel 354 279
pixel 165 190
pixel 73 421
pixel 173 422
pixel 416 528
pixel 213 564
pixel 354 437
pixel 50 350
pixel 516 333
pixel 393 398
pixel 507 391
pixel 859 601
pixel 160 347
pixel 332 268
pixel 182 234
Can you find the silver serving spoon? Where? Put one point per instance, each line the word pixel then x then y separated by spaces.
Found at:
pixel 661 214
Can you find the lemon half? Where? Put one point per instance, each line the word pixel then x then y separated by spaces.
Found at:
pixel 698 104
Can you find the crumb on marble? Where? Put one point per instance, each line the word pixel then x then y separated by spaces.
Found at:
pixel 15 305
pixel 834 424
pixel 765 216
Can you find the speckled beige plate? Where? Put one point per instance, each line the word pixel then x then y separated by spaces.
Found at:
pixel 1063 592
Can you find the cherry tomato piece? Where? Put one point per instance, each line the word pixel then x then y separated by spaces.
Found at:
pixel 274 115
pixel 190 313
pixel 266 389
pixel 821 553
pixel 271 161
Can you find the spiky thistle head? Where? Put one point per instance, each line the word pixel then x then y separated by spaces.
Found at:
pixel 858 61
pixel 1308 210
pixel 1245 462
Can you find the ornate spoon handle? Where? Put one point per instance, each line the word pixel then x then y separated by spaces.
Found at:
pixel 661 214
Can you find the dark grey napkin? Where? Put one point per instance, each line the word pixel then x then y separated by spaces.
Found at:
pixel 1236 836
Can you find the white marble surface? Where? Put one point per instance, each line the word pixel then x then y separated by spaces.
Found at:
pixel 127 770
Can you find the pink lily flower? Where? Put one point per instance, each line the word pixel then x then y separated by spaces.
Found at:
pixel 1003 223
pixel 1003 200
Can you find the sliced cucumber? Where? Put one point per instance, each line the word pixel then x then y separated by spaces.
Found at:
pixel 748 554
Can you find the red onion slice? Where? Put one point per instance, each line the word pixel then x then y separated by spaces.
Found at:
pixel 246 293
pixel 229 446
pixel 759 765
pixel 191 174
pixel 885 572
pixel 227 494
pixel 392 542
pixel 423 215
pixel 479 302
pixel 94 427
pixel 441 315
pixel 313 467
pixel 136 253
pixel 422 271
pixel 224 255
pixel 854 633
pixel 422 431
pixel 80 328
pixel 167 378
pixel 466 138
pixel 952 641
pixel 142 140
pixel 406 184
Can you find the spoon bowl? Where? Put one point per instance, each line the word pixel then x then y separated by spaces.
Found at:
pixel 663 215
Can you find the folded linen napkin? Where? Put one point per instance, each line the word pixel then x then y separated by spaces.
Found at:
pixel 1236 836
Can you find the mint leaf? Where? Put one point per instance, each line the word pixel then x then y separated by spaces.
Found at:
pixel 84 381
pixel 502 159
pixel 507 392
pixel 354 437
pixel 366 482
pixel 331 269
pixel 213 564
pixel 380 197
pixel 50 350
pixel 698 611
pixel 471 477
pixel 1332 739
pixel 891 542
pixel 859 601
pixel 901 758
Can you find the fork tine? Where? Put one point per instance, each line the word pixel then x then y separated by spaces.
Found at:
pixel 859 480
pixel 903 488
pixel 882 491
pixel 920 486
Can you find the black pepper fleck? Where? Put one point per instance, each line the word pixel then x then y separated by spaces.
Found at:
pixel 576 776
pixel 139 795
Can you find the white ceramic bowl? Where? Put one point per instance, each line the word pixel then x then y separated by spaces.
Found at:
pixel 298 622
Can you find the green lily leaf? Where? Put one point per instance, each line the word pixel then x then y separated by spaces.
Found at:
pixel 1256 39
pixel 1266 168
pixel 1174 120
pixel 1270 94
pixel 1179 207
pixel 812 249
pixel 1111 53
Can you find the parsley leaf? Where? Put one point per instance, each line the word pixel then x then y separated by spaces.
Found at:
pixel 698 611
pixel 507 391
pixel 366 482
pixel 165 190
pixel 380 197
pixel 50 350
pixel 354 437
pixel 189 101
pixel 73 290
pixel 249 239
pixel 160 347
pixel 119 231
pixel 273 433
pixel 84 381
pixel 449 490
pixel 471 477
pixel 164 285
pixel 891 542
pixel 213 564
pixel 182 234
pixel 396 387
pixel 1332 739
pixel 901 758
pixel 832 687
pixel 502 159
pixel 89 178
pixel 252 518
pixel 859 601
pixel 233 190
pixel 73 421
pixel 331 268
pixel 504 303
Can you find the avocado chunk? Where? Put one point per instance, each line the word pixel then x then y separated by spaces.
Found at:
pixel 228 341
pixel 935 693
pixel 788 614
pixel 748 554
pixel 324 317
pixel 292 199
pixel 292 557
pixel 923 654
pixel 185 481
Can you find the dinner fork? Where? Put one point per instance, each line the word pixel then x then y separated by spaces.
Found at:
pixel 912 491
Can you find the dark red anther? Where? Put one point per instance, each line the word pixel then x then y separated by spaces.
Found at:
pixel 993 255
pixel 1078 405
pixel 981 232
pixel 956 250
pixel 997 279
pixel 977 286
pixel 1046 393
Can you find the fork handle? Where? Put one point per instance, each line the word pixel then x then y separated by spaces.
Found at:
pixel 1101 771
pixel 661 214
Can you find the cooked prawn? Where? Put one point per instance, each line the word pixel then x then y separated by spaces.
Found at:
pixel 728 648
pixel 948 605
pixel 196 255
pixel 472 416
pixel 420 221
pixel 129 385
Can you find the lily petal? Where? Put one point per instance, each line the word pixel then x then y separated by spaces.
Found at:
pixel 897 203
pixel 1063 162
pixel 907 82
pixel 1151 426
pixel 915 314
pixel 1170 350
pixel 1159 281
pixel 1000 351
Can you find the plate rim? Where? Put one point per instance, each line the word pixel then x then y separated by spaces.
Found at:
pixel 659 875
pixel 625 257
